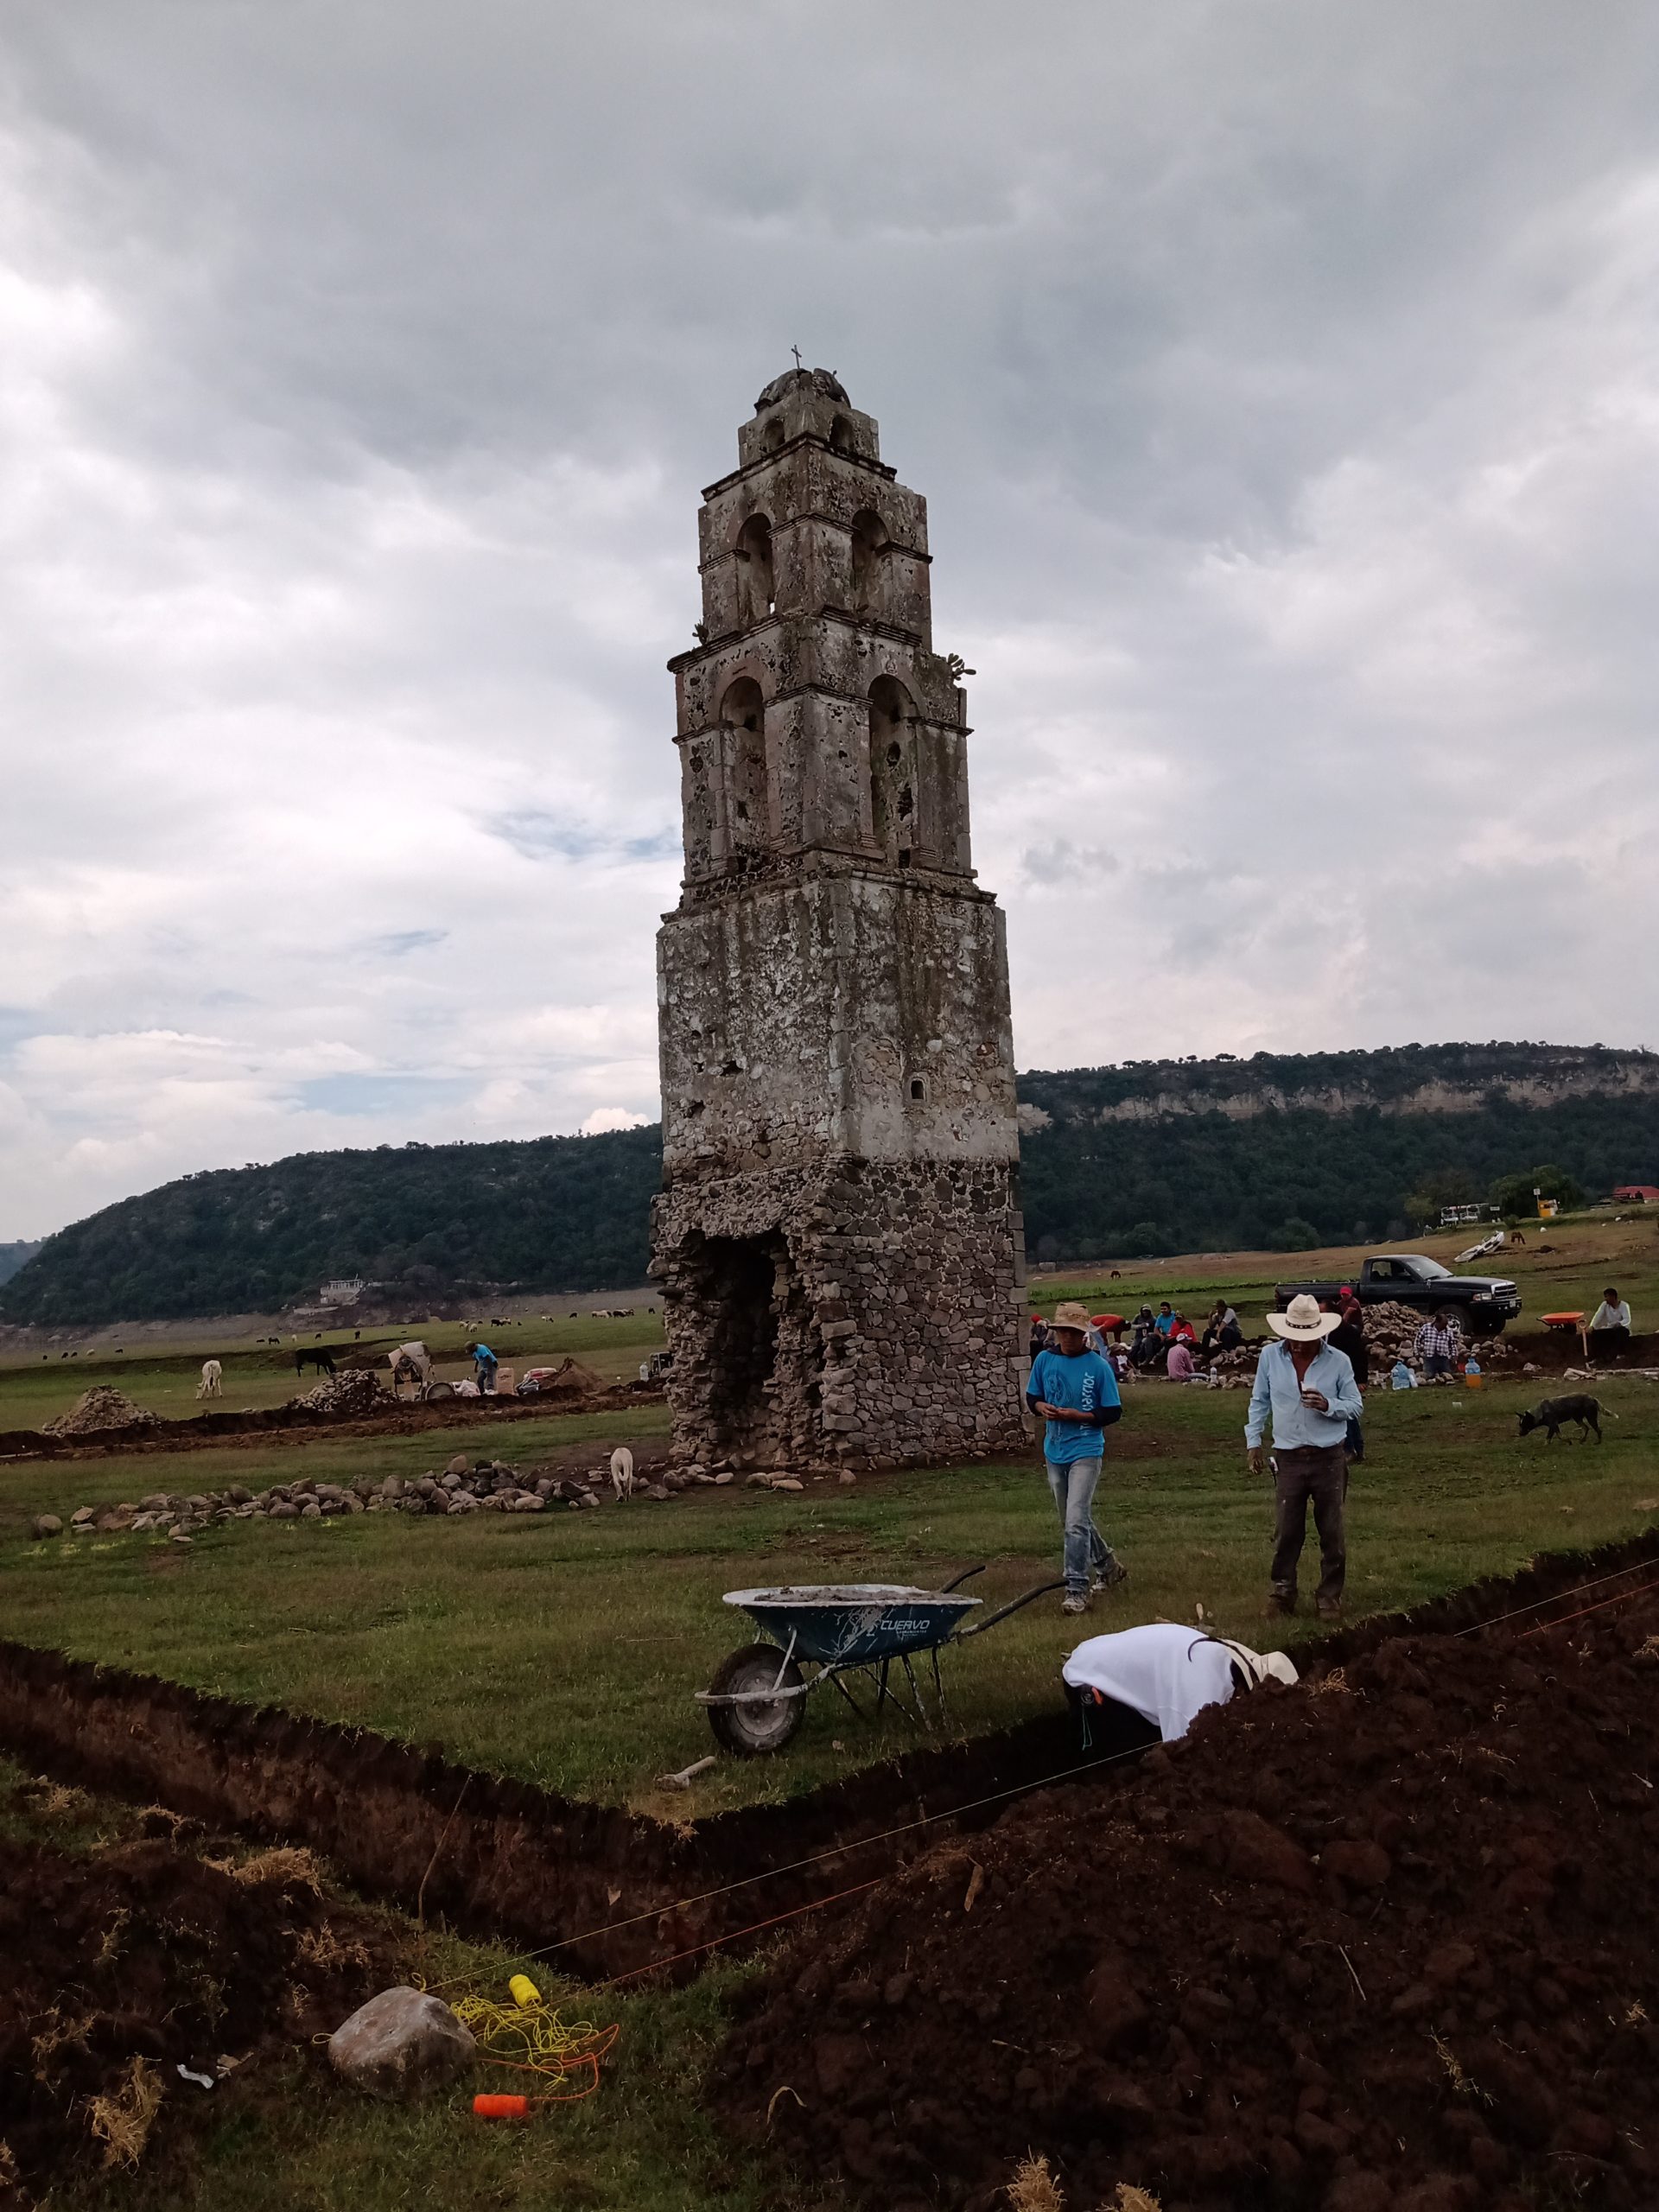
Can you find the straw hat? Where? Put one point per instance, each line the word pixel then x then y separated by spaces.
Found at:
pixel 1072 1316
pixel 1303 1321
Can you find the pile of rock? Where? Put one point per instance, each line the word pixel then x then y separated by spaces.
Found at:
pixel 463 1486
pixel 102 1407
pixel 355 1390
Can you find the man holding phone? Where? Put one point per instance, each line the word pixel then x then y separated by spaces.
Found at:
pixel 1307 1388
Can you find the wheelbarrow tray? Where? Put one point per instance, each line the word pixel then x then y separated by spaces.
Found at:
pixel 853 1623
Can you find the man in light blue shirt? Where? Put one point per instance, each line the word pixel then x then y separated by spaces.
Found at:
pixel 1075 1391
pixel 1307 1390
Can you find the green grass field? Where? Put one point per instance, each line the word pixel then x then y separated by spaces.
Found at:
pixel 564 1647
pixel 34 1387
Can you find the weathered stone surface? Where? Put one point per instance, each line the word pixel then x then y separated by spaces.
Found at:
pixel 47 1524
pixel 400 2044
pixel 837 1238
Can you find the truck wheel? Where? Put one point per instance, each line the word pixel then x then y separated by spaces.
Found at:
pixel 1482 1322
pixel 753 1731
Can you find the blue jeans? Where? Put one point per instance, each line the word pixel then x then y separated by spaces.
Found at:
pixel 1073 1486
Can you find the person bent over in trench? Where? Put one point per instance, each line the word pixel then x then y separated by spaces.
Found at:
pixel 1307 1388
pixel 1075 1391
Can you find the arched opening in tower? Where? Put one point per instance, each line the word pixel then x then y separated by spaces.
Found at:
pixel 756 588
pixel 743 714
pixel 894 820
pixel 745 1326
pixel 868 563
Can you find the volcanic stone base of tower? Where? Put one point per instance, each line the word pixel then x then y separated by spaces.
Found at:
pixel 859 1314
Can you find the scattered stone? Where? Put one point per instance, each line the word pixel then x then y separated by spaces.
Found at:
pixel 848 1478
pixel 45 1524
pixel 722 1479
pixel 787 1482
pixel 401 2043
pixel 459 1465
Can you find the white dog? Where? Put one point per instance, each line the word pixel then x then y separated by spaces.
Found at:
pixel 211 1373
pixel 622 1473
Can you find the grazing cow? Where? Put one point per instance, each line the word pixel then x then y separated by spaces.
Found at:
pixel 622 1473
pixel 1577 1406
pixel 211 1375
pixel 320 1356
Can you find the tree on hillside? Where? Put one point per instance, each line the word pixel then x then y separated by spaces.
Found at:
pixel 1516 1197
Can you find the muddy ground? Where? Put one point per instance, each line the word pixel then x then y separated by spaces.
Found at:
pixel 120 1964
pixel 1385 1942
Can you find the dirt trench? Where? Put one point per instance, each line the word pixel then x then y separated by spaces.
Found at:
pixel 500 1857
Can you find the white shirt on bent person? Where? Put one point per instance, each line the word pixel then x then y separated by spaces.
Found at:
pixel 1611 1317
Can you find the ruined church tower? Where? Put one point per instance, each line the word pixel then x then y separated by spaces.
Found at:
pixel 837 1238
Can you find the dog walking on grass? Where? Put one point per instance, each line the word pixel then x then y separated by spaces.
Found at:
pixel 1577 1405
pixel 622 1473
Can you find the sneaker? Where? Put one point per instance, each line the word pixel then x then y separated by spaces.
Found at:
pixel 1074 1602
pixel 1108 1578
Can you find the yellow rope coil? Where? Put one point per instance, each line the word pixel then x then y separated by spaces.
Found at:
pixel 532 2039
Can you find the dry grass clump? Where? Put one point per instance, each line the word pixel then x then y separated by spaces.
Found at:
pixel 1034 2189
pixel 122 2123
pixel 286 1865
pixel 322 1947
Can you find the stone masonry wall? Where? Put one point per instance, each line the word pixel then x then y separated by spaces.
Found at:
pixel 888 1334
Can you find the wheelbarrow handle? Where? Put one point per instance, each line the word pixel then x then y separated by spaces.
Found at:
pixel 967 1575
pixel 1002 1612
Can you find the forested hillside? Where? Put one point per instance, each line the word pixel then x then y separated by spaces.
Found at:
pixel 1158 1156
pixel 421 1220
pixel 13 1256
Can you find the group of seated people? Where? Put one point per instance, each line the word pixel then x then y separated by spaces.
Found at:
pixel 1161 1343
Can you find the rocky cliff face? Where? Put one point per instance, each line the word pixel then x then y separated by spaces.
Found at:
pixel 1413 1080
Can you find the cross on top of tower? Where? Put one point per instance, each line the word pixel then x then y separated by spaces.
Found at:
pixel 796 351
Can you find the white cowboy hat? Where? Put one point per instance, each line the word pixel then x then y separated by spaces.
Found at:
pixel 1303 1320
pixel 1258 1667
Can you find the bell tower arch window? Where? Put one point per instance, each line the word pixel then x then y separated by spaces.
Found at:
pixel 756 589
pixel 743 713
pixel 868 563
pixel 892 771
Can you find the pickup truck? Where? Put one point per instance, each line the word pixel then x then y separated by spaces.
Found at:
pixel 1481 1304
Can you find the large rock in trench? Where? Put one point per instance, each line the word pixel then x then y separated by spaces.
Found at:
pixel 401 2044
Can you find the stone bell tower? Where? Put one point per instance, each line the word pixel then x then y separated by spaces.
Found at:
pixel 837 1238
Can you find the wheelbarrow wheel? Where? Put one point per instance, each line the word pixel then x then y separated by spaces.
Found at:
pixel 753 1730
pixel 435 1392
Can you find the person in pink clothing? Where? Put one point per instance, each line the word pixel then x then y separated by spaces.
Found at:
pixel 1179 1366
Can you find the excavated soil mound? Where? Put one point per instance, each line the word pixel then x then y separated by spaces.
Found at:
pixel 1385 1942
pixel 102 1407
pixel 118 1967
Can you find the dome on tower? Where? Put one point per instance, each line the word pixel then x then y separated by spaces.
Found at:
pixel 824 382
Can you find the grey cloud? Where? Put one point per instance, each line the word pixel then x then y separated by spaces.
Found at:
pixel 1276 375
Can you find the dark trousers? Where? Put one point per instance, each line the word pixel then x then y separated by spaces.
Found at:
pixel 1320 1473
pixel 1604 1344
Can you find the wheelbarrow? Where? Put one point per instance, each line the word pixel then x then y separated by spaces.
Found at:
pixel 757 1700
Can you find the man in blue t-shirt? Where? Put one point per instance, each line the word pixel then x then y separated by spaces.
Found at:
pixel 1075 1391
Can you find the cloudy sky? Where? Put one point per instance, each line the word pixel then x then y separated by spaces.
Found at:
pixel 1283 379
